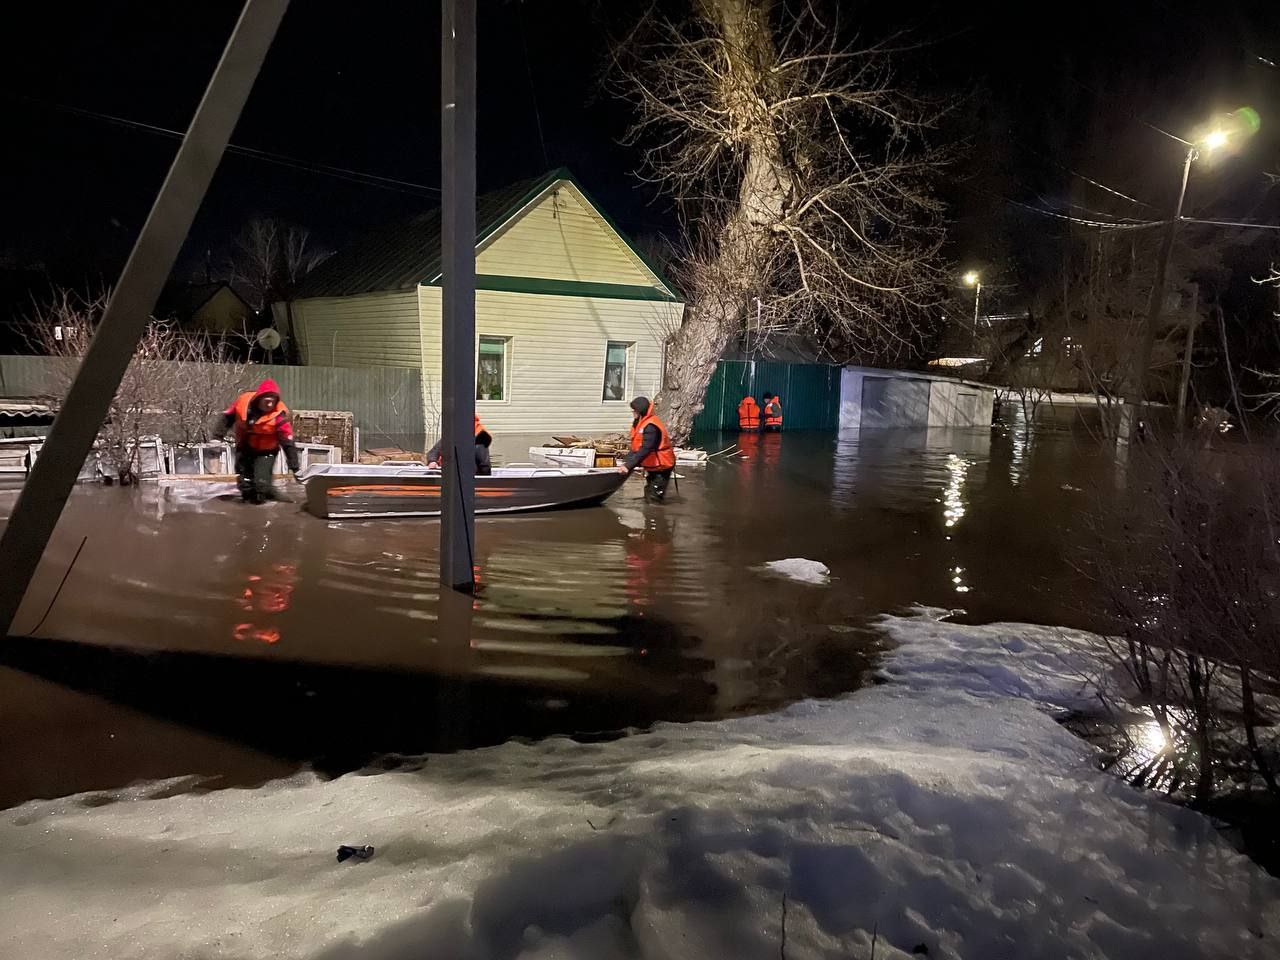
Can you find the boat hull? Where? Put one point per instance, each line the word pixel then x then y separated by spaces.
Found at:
pixel 355 491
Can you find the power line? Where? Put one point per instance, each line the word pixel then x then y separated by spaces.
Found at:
pixel 1232 223
pixel 533 88
pixel 310 166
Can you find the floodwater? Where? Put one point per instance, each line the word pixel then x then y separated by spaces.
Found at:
pixel 195 635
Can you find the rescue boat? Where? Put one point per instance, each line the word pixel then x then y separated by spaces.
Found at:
pixel 339 491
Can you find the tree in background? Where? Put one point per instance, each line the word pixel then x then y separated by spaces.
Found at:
pixel 803 177
pixel 268 261
pixel 174 387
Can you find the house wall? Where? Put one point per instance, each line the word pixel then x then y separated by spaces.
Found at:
pixel 557 355
pixel 370 330
pixel 563 238
pixel 223 313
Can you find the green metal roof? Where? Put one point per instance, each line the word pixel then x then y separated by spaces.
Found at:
pixel 401 255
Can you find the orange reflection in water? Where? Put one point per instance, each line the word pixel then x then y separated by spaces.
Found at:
pixel 265 596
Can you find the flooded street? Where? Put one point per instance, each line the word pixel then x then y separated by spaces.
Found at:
pixel 199 636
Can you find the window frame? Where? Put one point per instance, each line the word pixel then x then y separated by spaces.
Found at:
pixel 627 370
pixel 507 343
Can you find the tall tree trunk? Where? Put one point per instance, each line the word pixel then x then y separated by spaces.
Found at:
pixel 726 280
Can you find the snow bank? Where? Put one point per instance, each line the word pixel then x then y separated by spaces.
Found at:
pixel 962 822
pixel 797 568
pixel 1055 667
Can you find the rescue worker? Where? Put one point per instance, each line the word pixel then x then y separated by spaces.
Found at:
pixel 748 414
pixel 262 429
pixel 772 411
pixel 484 466
pixel 651 450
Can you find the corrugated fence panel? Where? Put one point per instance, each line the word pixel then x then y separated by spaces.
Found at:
pixel 807 405
pixel 385 401
pixel 810 393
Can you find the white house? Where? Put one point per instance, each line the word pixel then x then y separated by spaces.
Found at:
pixel 570 318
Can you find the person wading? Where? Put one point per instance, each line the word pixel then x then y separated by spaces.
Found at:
pixel 772 411
pixel 484 467
pixel 748 414
pixel 651 451
pixel 262 429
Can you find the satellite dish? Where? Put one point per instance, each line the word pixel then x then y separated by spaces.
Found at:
pixel 268 338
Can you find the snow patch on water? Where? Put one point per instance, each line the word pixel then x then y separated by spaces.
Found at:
pixel 945 811
pixel 799 569
pixel 1056 667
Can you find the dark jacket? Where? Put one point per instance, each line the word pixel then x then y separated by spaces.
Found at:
pixel 484 466
pixel 649 443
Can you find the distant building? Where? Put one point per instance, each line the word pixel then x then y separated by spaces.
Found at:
pixel 570 317
pixel 207 307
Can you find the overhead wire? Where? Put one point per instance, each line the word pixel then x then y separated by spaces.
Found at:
pixel 361 177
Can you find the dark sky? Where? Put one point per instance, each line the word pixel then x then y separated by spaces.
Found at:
pixel 1046 88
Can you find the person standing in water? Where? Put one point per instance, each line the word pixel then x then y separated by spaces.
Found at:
pixel 262 429
pixel 651 451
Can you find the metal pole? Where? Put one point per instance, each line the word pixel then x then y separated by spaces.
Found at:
pixel 1185 379
pixel 1155 306
pixel 458 301
pixel 134 298
pixel 977 298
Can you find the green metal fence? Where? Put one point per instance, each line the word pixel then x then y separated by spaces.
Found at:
pixel 810 393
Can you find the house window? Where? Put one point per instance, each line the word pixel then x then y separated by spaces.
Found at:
pixel 617 358
pixel 493 369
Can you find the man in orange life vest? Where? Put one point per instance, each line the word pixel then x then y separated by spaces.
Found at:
pixel 262 429
pixel 748 414
pixel 484 467
pixel 651 450
pixel 772 412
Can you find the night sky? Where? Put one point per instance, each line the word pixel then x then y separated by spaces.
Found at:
pixel 1043 90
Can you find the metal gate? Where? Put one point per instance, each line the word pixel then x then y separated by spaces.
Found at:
pixel 810 393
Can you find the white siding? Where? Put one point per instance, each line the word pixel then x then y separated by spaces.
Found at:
pixel 563 238
pixel 370 330
pixel 557 358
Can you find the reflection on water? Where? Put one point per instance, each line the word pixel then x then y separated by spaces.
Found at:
pixel 646 612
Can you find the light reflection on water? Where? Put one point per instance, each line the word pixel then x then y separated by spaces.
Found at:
pixel 641 598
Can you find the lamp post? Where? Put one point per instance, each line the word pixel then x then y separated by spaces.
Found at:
pixel 1213 140
pixel 973 279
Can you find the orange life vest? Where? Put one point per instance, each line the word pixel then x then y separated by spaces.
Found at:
pixel 748 414
pixel 479 426
pixel 664 458
pixel 262 434
pixel 773 412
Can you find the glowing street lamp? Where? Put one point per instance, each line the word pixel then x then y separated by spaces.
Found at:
pixel 1215 139
pixel 1244 121
pixel 973 279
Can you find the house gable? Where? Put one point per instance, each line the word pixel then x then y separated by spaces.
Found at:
pixel 561 239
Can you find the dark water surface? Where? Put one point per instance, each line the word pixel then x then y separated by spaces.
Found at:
pixel 196 635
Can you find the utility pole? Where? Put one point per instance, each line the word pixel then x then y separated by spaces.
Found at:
pixel 458 300
pixel 132 301
pixel 1185 379
pixel 1155 306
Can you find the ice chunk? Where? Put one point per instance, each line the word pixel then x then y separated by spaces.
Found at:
pixel 797 568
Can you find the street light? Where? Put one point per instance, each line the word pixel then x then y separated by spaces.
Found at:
pixel 973 279
pixel 1244 121
pixel 1215 139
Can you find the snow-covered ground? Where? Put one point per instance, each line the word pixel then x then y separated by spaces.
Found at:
pixel 943 813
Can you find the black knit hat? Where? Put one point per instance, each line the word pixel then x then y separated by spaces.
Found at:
pixel 640 405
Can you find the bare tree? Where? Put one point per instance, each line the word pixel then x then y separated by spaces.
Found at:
pixel 1265 398
pixel 801 171
pixel 1186 558
pixel 173 388
pixel 270 259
